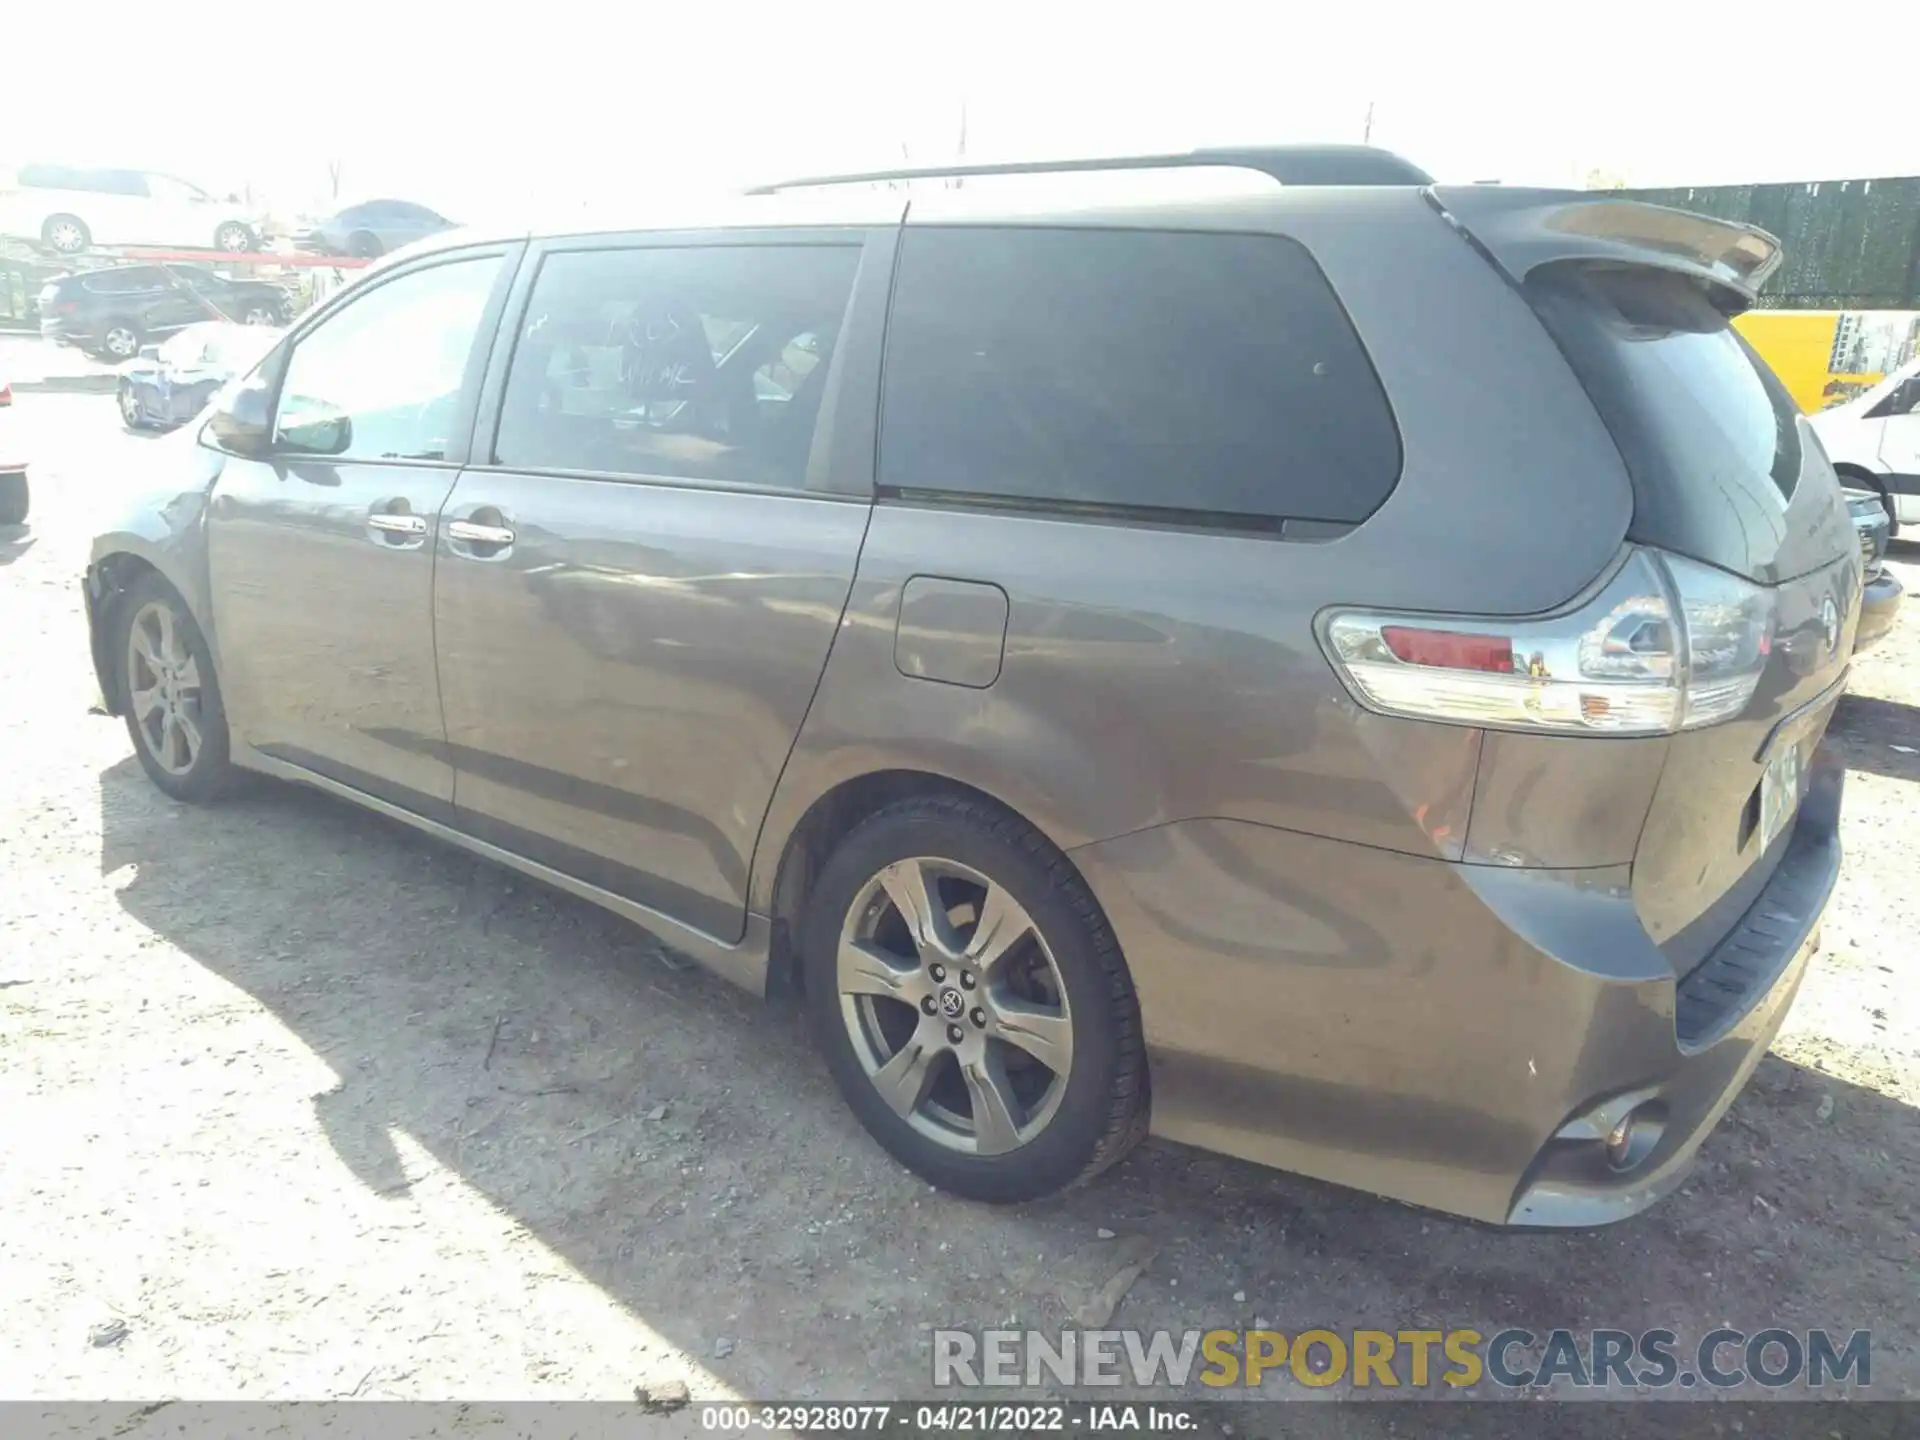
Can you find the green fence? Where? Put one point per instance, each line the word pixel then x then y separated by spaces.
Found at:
pixel 1850 244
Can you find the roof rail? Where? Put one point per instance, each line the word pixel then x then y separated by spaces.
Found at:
pixel 1289 164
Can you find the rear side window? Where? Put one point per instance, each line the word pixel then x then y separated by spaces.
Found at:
pixel 1711 439
pixel 1212 375
pixel 702 363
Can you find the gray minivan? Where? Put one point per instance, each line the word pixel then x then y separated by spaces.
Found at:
pixel 1251 646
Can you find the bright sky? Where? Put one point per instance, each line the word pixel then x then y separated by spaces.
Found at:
pixel 485 110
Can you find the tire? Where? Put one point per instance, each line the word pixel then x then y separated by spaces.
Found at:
pixel 364 245
pixel 13 498
pixel 1062 980
pixel 260 312
pixel 194 692
pixel 129 408
pixel 120 339
pixel 66 234
pixel 234 238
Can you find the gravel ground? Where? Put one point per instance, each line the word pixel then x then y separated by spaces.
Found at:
pixel 299 1104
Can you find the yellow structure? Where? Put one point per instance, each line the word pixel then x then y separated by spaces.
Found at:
pixel 1825 356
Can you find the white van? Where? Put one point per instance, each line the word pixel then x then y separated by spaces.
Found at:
pixel 68 209
pixel 1874 441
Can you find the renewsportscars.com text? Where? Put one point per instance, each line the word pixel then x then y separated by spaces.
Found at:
pixel 1513 1358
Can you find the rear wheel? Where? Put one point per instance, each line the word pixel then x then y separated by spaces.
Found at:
pixel 173 709
pixel 364 244
pixel 13 497
pixel 260 312
pixel 67 234
pixel 120 339
pixel 972 1003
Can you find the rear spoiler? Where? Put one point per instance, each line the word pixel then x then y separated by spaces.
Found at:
pixel 1521 230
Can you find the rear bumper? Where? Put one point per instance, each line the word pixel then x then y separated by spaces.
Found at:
pixel 1879 609
pixel 1457 1036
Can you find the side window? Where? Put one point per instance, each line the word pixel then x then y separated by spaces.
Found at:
pixel 381 379
pixel 675 362
pixel 1903 399
pixel 134 280
pixel 1212 374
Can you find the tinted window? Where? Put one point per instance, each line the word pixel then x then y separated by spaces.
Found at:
pixel 1711 439
pixel 703 364
pixel 134 280
pixel 391 364
pixel 1197 373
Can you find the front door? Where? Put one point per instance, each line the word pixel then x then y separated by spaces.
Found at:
pixel 321 556
pixel 1900 447
pixel 637 592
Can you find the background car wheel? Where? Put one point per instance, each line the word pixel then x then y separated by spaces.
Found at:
pixel 174 714
pixel 973 1006
pixel 259 312
pixel 233 238
pixel 129 408
pixel 120 339
pixel 364 245
pixel 67 234
pixel 13 497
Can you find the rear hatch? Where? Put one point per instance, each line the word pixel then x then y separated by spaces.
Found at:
pixel 1725 472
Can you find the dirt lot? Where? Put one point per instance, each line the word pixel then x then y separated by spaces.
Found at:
pixel 316 1107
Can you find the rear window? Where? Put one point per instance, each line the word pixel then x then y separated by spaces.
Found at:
pixel 1713 442
pixel 1211 376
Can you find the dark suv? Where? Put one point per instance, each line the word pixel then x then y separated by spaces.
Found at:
pixel 113 312
pixel 1332 670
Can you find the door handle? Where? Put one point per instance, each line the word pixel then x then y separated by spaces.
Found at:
pixel 475 534
pixel 399 524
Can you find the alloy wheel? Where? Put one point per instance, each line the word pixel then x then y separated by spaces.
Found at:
pixel 261 315
pixel 163 688
pixel 67 237
pixel 234 239
pixel 955 1005
pixel 121 342
pixel 129 405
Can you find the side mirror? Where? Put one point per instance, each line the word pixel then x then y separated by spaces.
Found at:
pixel 242 421
pixel 313 429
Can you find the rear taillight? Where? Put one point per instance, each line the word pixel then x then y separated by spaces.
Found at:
pixel 6 393
pixel 1663 644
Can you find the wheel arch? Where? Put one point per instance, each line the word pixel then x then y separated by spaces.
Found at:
pixel 108 581
pixel 827 820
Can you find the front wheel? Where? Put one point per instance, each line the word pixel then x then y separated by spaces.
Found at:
pixel 974 1007
pixel 234 238
pixel 364 245
pixel 259 312
pixel 130 413
pixel 172 696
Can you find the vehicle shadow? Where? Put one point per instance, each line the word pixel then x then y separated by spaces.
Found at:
pixel 15 541
pixel 680 1146
pixel 1878 736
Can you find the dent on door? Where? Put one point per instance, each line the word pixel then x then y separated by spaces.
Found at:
pixel 624 668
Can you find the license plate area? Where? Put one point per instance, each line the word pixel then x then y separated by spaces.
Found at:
pixel 1779 794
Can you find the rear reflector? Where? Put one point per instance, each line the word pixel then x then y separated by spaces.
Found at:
pixel 1663 644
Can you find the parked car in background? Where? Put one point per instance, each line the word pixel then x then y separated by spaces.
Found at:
pixel 13 460
pixel 113 312
pixel 1270 671
pixel 1880 597
pixel 169 384
pixel 372 228
pixel 68 209
pixel 1874 442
